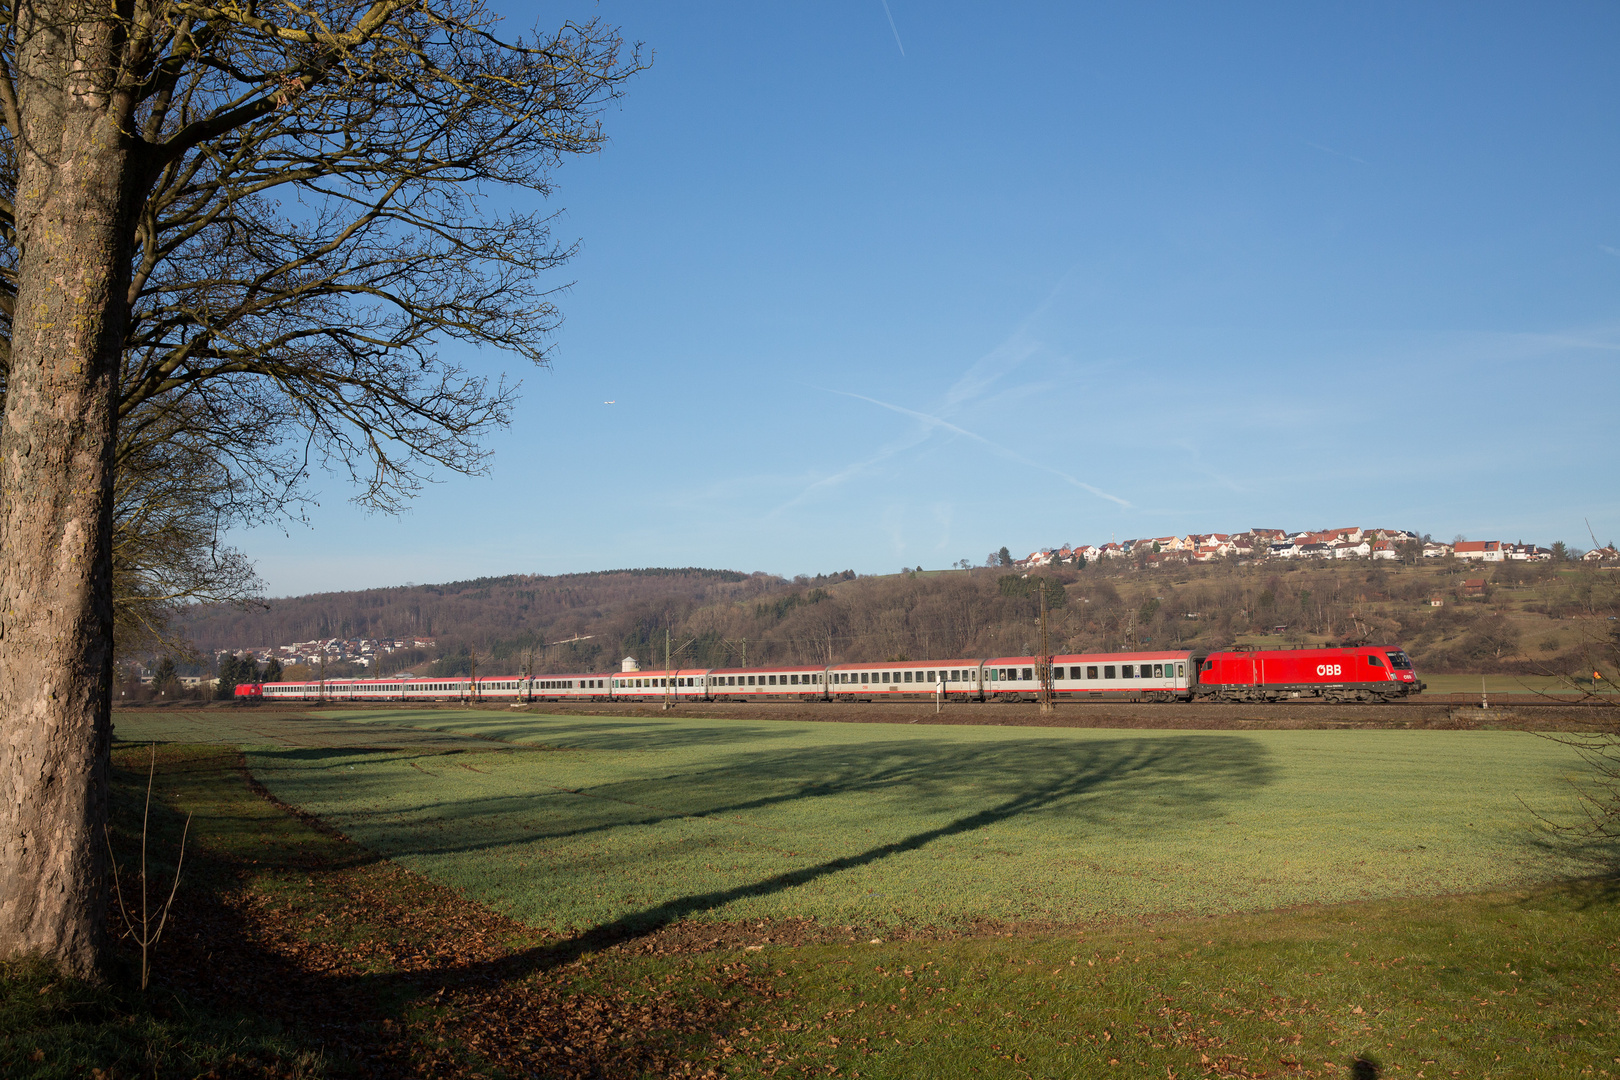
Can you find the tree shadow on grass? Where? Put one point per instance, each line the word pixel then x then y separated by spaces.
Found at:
pixel 594 733
pixel 958 788
pixel 1152 782
pixel 254 957
pixel 1152 779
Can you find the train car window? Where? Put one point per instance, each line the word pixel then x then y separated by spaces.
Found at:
pixel 908 676
pixel 1029 673
pixel 1209 665
pixel 1158 671
pixel 1181 671
pixel 1091 671
pixel 1108 671
pixel 1399 661
pixel 956 675
pixel 1059 672
pixel 1374 661
pixel 1127 671
pixel 751 680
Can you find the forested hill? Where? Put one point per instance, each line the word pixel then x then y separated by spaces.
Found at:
pixel 498 615
pixel 1453 617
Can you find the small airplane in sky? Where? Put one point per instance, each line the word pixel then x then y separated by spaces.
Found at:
pixel 614 402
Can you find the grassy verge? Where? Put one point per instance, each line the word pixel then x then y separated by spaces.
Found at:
pixel 1505 684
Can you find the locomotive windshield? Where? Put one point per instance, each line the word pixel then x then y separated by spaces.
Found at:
pixel 1399 661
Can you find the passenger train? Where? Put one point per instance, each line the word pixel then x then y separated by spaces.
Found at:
pixel 1335 674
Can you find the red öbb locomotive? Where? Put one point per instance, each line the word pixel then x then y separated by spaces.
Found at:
pixel 1353 673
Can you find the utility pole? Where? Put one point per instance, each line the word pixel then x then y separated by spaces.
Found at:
pixel 1043 668
pixel 472 679
pixel 669 681
pixel 323 672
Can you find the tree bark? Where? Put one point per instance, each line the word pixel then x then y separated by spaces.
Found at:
pixel 76 189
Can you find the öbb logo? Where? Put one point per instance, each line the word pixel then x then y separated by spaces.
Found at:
pixel 1329 669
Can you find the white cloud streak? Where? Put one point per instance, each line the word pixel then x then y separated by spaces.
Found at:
pixel 1006 452
pixel 894 29
pixel 1336 153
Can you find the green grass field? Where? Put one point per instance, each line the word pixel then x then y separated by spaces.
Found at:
pixel 649 820
pixel 585 822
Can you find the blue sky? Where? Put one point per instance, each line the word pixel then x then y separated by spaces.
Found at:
pixel 870 295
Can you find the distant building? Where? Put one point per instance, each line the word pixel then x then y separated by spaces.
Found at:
pixel 1479 550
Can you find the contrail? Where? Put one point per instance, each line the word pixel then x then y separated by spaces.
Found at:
pixel 890 14
pixel 1335 153
pixel 935 421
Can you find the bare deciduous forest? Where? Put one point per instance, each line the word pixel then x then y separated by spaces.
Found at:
pixel 1524 619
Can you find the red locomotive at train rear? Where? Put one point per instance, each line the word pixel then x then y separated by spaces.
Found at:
pixel 1352 673
pixel 249 689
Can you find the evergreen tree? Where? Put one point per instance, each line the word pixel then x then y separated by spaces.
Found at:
pixel 225 684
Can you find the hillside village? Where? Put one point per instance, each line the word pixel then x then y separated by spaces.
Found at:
pixel 1351 543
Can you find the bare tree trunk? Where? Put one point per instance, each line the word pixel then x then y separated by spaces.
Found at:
pixel 75 192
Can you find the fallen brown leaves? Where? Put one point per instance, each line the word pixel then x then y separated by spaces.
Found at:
pixel 388 975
